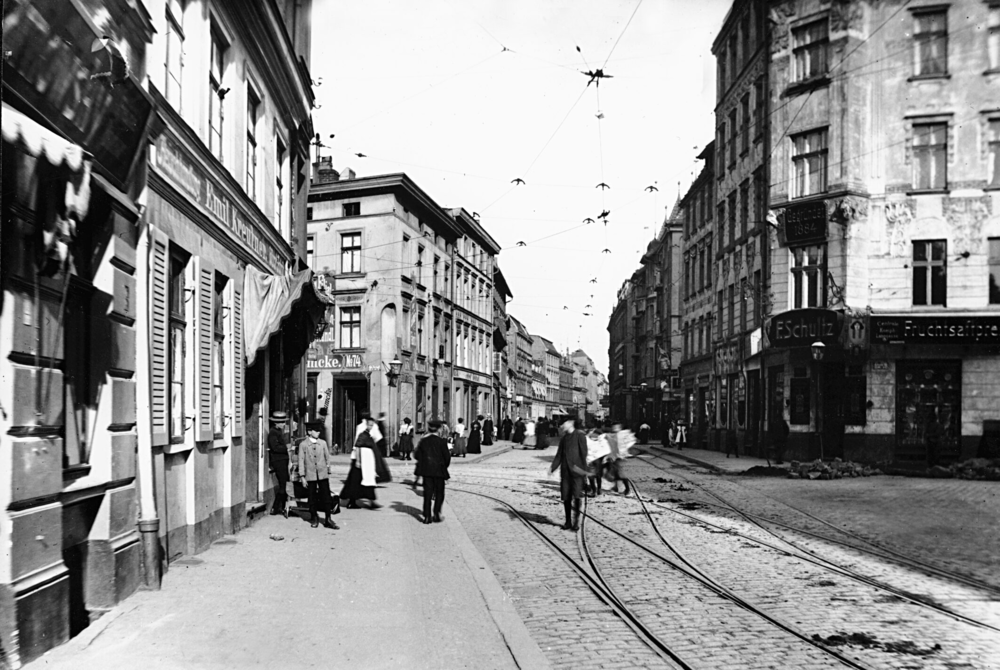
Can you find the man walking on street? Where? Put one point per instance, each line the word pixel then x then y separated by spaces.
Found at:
pixel 433 459
pixel 382 443
pixel 571 461
pixel 314 469
pixel 506 427
pixel 277 453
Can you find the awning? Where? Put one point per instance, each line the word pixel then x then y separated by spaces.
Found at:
pixel 39 141
pixel 268 300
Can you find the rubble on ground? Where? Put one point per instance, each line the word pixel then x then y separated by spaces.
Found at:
pixel 974 468
pixel 835 469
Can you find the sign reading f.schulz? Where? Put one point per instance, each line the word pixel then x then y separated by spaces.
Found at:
pixel 802 327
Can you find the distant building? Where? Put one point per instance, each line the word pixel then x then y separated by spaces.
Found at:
pixel 504 347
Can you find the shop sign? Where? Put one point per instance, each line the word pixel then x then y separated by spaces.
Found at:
pixel 48 61
pixel 173 160
pixel 802 327
pixel 805 223
pixel 727 358
pixel 323 356
pixel 936 329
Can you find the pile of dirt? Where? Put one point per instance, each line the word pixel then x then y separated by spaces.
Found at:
pixel 974 468
pixel 762 471
pixel 837 469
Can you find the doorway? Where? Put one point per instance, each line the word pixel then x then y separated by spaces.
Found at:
pixel 832 403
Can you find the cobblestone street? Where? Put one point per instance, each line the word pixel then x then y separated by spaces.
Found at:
pixel 773 596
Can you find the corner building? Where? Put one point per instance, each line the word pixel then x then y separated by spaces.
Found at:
pixel 885 180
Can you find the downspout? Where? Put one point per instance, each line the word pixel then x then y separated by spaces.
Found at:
pixel 149 523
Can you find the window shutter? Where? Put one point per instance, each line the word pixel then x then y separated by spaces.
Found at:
pixel 236 342
pixel 204 294
pixel 159 280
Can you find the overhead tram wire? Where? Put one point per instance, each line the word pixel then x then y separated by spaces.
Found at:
pixel 622 34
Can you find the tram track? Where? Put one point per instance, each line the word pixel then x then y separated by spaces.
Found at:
pixel 877 550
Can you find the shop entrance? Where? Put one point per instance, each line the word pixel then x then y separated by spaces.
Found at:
pixel 349 401
pixel 928 407
pixel 833 399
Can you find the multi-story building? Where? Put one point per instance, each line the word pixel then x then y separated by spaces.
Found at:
pixel 595 387
pixel 539 406
pixel 579 397
pixel 622 375
pixel 503 347
pixel 543 350
pixel 741 153
pixel 886 180
pixel 76 126
pixel 523 370
pixel 667 323
pixel 697 286
pixel 473 265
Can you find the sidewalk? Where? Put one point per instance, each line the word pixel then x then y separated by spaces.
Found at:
pixel 715 460
pixel 384 591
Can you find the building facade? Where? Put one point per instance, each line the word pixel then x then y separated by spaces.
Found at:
pixel 76 128
pixel 621 346
pixel 885 181
pixel 503 348
pixel 741 154
pixel 523 368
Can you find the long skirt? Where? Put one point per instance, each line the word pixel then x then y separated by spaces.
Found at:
pixel 406 444
pixel 353 490
pixel 460 446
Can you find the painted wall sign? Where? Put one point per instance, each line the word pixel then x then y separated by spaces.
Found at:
pixel 936 329
pixel 184 173
pixel 727 358
pixel 805 223
pixel 323 356
pixel 802 327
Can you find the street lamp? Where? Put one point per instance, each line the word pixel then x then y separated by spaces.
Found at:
pixel 395 367
pixel 818 349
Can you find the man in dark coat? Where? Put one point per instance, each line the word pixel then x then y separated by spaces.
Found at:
pixel 571 461
pixel 506 427
pixel 518 431
pixel 277 453
pixel 433 458
pixel 488 431
pixel 381 444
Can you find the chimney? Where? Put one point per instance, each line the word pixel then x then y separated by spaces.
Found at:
pixel 348 173
pixel 323 172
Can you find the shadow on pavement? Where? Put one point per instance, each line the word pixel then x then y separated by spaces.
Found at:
pixel 533 518
pixel 403 508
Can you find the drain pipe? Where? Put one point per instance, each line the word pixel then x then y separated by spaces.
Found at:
pixel 149 523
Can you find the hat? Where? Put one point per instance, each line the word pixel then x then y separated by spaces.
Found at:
pixel 279 417
pixel 434 425
pixel 314 425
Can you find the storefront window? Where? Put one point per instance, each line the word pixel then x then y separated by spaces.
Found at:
pixel 928 407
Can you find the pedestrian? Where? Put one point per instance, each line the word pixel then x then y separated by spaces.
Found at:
pixel 779 437
pixel 519 429
pixel 598 448
pixel 460 441
pixel 541 433
pixel 474 445
pixel 732 443
pixel 361 478
pixel 277 453
pixel 488 431
pixel 433 459
pixel 614 466
pixel 406 439
pixel 381 442
pixel 680 435
pixel 314 470
pixel 571 462
pixel 644 433
pixel 530 434
pixel 507 426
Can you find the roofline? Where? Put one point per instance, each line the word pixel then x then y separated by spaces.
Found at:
pixel 387 183
pixel 484 238
pixel 500 282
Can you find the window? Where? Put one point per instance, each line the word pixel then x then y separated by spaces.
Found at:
pixel 744 286
pixel 745 119
pixel 178 325
pixel 420 334
pixel 744 207
pixel 994 268
pixel 309 213
pixel 687 277
pixel 930 43
pixel 174 53
pixel 216 95
pixel 350 327
pixel 420 265
pixel 732 137
pixel 808 276
pixel 760 101
pixel 930 272
pixel 253 113
pixel 350 252
pixel 311 251
pixel 721 152
pixel 734 56
pixel 732 217
pixel 760 197
pixel 809 163
pixel 352 209
pixel 218 357
pixel 993 167
pixel 756 296
pixel 809 47
pixel 701 269
pixel 930 156
pixel 434 279
pixel 731 316
pixel 993 38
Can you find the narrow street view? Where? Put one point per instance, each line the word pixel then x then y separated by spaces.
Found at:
pixel 500 334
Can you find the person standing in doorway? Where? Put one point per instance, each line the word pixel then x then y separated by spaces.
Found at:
pixel 406 439
pixel 433 459
pixel 779 436
pixel 476 436
pixel 314 469
pixel 488 431
pixel 277 453
pixel 571 462
pixel 460 440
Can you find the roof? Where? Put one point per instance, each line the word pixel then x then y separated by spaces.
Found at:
pixel 500 282
pixel 476 230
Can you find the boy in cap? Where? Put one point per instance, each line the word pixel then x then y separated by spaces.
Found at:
pixel 277 452
pixel 314 469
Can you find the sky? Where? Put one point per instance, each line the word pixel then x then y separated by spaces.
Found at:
pixel 465 96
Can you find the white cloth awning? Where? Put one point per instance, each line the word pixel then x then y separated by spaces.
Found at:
pixel 267 300
pixel 39 141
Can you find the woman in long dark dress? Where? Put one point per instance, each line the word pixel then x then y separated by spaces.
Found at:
pixel 488 431
pixel 476 436
pixel 406 439
pixel 360 484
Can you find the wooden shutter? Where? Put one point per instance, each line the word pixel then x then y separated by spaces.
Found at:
pixel 204 277
pixel 239 360
pixel 159 380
